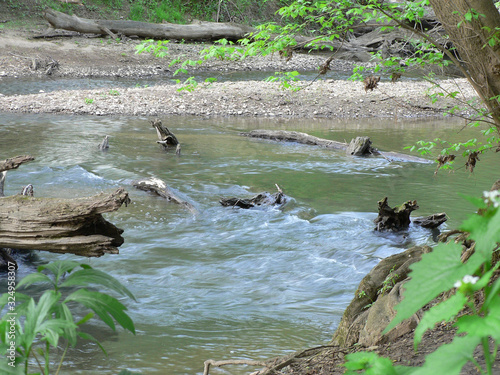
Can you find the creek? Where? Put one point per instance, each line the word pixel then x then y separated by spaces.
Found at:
pixel 232 283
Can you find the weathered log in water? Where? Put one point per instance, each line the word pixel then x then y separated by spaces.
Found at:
pixel 431 221
pixel 61 225
pixel 165 136
pixel 291 136
pixel 159 187
pixel 104 145
pixel 262 199
pixel 15 162
pixel 394 219
pixel 363 143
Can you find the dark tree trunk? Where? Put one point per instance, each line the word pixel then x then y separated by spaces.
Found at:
pixel 394 219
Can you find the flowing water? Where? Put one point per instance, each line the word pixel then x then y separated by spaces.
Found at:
pixel 233 283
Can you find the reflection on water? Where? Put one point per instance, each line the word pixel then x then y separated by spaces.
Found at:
pixel 232 283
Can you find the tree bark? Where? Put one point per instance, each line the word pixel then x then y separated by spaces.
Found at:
pixel 61 225
pixel 394 219
pixel 194 31
pixel 481 61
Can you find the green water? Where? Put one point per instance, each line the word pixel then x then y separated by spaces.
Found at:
pixel 231 283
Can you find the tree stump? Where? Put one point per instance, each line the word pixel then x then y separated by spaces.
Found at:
pixel 359 146
pixel 165 136
pixel 394 219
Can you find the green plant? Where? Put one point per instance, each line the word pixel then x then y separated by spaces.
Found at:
pixel 113 92
pixel 32 328
pixel 389 282
pixel 285 79
pixel 190 84
pixel 157 48
pixel 89 101
pixel 442 271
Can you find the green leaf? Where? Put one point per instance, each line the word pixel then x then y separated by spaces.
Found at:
pixel 373 364
pixel 89 276
pixel 36 277
pixel 485 230
pixel 443 311
pixel 434 274
pixel 449 358
pixel 104 306
pixel 481 327
pixel 59 268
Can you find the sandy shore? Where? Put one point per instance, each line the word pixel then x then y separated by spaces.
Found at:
pixel 80 56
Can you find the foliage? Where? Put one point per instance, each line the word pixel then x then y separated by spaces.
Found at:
pixel 157 48
pixel 285 80
pixel 38 326
pixel 442 271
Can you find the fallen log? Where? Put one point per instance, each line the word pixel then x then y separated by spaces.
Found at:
pixel 159 187
pixel 62 225
pixel 291 136
pixel 364 143
pixel 194 31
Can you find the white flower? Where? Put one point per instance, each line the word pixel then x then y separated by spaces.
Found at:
pixel 468 279
pixel 491 196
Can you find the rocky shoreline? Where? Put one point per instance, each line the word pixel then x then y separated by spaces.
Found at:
pixel 79 56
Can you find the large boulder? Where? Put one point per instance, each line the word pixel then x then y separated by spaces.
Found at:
pixel 372 307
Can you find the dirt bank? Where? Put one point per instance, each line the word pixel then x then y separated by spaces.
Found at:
pixel 81 56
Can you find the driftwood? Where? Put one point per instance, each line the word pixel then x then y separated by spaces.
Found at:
pixel 159 187
pixel 431 221
pixel 165 136
pixel 61 225
pixel 262 199
pixel 11 163
pixel 194 31
pixel 394 219
pixel 104 145
pixel 292 136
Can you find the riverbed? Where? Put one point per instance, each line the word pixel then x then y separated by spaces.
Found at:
pixel 233 283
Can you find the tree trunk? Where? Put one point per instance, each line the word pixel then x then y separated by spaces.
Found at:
pixel 471 38
pixel 194 31
pixel 61 225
